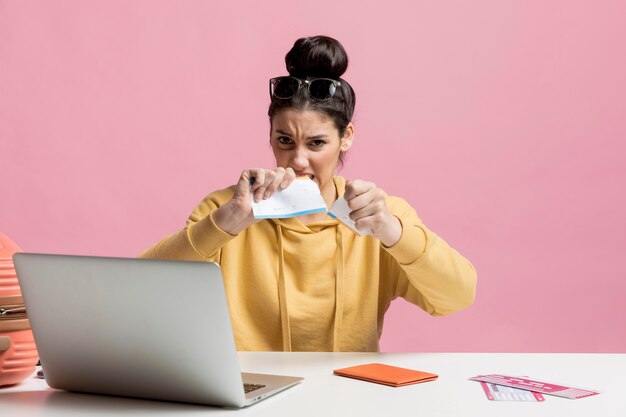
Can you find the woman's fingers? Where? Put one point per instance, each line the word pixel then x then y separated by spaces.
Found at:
pixel 267 181
pixel 369 210
pixel 289 177
pixel 257 178
pixel 361 194
pixel 355 188
pixel 272 181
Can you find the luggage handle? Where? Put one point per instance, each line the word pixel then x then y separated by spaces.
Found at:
pixel 5 343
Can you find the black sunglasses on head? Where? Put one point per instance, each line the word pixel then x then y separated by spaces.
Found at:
pixel 320 89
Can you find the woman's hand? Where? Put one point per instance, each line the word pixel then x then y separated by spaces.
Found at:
pixel 236 215
pixel 369 211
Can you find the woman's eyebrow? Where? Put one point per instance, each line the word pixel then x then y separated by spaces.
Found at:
pixel 282 132
pixel 317 137
pixel 314 137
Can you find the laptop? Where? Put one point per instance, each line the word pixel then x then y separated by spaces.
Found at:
pixel 142 328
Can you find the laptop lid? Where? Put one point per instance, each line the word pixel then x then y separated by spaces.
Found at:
pixel 132 327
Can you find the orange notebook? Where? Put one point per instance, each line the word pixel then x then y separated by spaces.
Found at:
pixel 386 374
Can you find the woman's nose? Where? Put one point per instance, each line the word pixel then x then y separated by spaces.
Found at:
pixel 299 160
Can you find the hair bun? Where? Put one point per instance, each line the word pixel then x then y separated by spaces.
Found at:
pixel 317 56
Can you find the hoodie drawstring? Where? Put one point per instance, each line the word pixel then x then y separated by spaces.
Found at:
pixel 282 297
pixel 339 289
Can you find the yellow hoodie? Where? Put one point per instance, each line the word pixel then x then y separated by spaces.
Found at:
pixel 321 287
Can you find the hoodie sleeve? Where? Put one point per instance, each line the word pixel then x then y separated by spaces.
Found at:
pixel 432 274
pixel 201 239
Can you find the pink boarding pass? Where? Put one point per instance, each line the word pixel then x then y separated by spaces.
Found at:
pixel 537 386
pixel 501 393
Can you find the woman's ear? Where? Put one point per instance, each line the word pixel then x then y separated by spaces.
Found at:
pixel 348 136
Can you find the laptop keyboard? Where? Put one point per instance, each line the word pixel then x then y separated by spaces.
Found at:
pixel 251 387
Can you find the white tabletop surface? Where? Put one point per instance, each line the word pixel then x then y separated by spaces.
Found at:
pixel 323 394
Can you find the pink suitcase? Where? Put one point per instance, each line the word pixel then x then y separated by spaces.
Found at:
pixel 18 354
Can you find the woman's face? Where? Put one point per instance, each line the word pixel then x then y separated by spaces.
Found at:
pixel 308 142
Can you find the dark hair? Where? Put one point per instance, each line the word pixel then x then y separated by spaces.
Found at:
pixel 319 57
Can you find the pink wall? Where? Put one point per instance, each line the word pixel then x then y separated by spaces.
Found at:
pixel 503 123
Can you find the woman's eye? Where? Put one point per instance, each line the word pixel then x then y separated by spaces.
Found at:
pixel 284 140
pixel 318 143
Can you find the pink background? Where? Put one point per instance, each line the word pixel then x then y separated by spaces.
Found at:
pixel 503 123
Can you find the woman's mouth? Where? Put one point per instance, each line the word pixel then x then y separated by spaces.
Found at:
pixel 310 176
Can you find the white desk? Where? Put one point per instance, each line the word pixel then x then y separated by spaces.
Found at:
pixel 322 394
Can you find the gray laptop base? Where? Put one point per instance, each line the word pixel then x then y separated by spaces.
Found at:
pixel 137 328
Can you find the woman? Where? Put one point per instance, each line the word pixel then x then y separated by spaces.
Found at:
pixel 309 283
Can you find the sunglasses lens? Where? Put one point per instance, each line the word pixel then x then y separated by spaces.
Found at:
pixel 285 87
pixel 322 89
